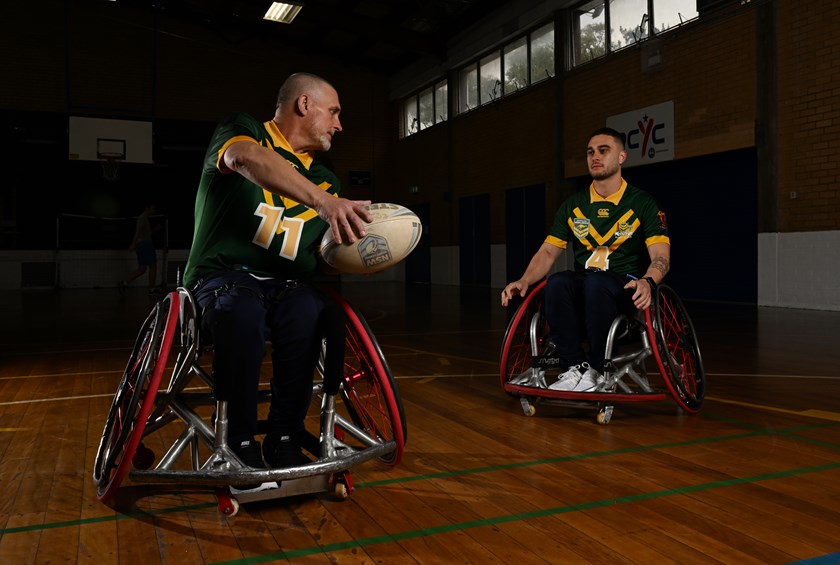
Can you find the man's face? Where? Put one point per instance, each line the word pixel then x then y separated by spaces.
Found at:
pixel 322 118
pixel 604 157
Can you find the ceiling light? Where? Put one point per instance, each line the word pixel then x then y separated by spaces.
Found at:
pixel 283 12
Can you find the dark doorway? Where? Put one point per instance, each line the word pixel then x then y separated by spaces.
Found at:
pixel 526 229
pixel 474 239
pixel 418 265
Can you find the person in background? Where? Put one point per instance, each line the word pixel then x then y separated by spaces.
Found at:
pixel 622 251
pixel 144 247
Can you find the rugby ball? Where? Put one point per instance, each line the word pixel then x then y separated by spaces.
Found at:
pixel 389 238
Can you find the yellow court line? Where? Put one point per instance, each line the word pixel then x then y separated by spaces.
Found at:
pixel 819 414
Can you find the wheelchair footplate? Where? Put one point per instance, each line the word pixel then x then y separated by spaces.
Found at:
pixel 328 474
pixel 531 388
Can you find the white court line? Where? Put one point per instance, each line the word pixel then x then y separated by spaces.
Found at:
pixel 399 377
pixel 83 397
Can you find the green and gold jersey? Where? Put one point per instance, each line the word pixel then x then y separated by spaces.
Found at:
pixel 610 234
pixel 239 225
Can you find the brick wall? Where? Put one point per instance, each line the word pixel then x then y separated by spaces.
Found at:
pixel 809 116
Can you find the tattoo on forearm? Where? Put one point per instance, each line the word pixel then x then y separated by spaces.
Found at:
pixel 661 264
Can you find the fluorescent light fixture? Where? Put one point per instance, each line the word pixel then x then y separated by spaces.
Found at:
pixel 283 12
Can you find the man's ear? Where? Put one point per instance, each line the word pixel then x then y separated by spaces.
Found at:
pixel 303 104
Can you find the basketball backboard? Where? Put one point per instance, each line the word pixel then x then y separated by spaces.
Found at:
pixel 100 139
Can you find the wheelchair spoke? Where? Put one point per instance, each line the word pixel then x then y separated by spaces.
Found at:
pixel 527 329
pixel 678 349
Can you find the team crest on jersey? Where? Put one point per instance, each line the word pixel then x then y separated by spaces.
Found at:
pixel 581 227
pixel 624 230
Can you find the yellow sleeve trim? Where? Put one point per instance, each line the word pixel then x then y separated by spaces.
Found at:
pixel 556 242
pixel 658 239
pixel 220 164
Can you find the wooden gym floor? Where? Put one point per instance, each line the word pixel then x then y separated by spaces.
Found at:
pixel 753 478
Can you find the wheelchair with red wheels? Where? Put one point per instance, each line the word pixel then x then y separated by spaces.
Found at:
pixel 165 392
pixel 667 344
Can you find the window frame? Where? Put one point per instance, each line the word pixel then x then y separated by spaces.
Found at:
pixel 647 23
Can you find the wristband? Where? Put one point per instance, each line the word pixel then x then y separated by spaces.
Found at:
pixel 651 283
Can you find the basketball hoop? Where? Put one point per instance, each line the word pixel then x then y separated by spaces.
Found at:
pixel 111 165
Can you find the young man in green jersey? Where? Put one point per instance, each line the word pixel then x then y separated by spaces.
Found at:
pixel 622 251
pixel 263 203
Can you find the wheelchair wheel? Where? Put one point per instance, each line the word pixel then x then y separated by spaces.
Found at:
pixel 134 399
pixel 527 328
pixel 677 352
pixel 369 392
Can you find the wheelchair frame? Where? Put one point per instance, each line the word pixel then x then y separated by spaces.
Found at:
pixel 368 423
pixel 666 334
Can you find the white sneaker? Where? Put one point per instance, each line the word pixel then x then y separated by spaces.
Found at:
pixel 589 381
pixel 568 380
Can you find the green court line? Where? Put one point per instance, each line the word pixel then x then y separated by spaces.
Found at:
pixel 424 532
pixel 787 432
pixel 114 518
pixel 580 456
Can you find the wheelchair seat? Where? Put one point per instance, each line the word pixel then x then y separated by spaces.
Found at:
pixel 355 402
pixel 666 344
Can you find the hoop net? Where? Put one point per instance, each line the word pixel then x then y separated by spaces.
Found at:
pixel 111 165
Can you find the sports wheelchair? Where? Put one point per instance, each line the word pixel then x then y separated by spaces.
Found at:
pixel 667 339
pixel 368 422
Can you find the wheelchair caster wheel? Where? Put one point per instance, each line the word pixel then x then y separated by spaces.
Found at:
pixel 143 458
pixel 604 415
pixel 340 491
pixel 527 408
pixel 228 505
pixel 343 485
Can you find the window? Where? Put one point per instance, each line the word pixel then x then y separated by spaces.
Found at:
pixel 671 13
pixel 515 60
pixel 411 123
pixel 468 88
pixel 630 21
pixel 425 109
pixel 518 64
pixel 441 102
pixel 588 32
pixel 491 75
pixel 542 53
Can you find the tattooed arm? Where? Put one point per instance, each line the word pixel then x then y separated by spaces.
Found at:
pixel 660 264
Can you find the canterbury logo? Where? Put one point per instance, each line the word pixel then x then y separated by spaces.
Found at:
pixel 603 213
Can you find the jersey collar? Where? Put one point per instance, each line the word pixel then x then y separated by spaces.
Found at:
pixel 279 140
pixel 613 198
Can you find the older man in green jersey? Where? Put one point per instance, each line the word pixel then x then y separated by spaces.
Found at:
pixel 622 251
pixel 263 203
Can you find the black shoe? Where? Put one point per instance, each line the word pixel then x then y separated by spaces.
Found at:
pixel 281 451
pixel 250 454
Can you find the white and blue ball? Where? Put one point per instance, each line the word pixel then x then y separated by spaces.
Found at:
pixel 389 238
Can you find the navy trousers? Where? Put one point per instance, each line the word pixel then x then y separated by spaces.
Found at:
pixel 584 304
pixel 239 314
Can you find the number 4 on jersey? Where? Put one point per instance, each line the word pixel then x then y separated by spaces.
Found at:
pixel 600 258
